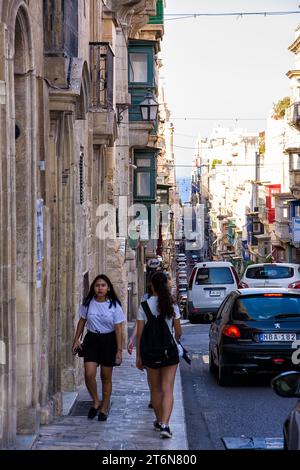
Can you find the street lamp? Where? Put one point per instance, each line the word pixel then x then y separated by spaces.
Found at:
pixel 149 107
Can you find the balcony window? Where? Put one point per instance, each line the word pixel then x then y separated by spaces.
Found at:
pixel 144 178
pixel 140 74
pixel 294 161
pixel 297 211
pixel 102 79
pixel 143 162
pixel 138 67
pixel 256 227
pixel 143 184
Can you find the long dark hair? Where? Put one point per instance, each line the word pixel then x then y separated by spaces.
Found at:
pixel 165 302
pixel 110 294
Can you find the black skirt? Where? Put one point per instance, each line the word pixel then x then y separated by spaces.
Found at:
pixel 100 348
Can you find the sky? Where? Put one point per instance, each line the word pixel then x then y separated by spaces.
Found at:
pixel 224 67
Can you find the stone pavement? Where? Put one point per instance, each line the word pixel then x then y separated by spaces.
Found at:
pixel 129 425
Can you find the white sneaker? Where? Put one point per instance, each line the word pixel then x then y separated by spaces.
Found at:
pixel 165 431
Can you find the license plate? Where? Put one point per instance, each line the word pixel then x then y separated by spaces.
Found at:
pixel 214 293
pixel 277 337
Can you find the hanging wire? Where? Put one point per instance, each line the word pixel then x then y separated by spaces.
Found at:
pixel 183 16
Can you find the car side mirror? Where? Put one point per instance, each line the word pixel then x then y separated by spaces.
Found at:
pixel 287 384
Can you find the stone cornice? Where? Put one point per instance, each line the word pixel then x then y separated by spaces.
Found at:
pixel 295 47
pixel 132 13
pixel 293 73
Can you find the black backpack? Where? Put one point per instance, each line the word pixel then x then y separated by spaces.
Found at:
pixel 158 347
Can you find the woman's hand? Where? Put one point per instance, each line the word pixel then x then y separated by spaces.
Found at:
pixel 130 346
pixel 119 357
pixel 76 345
pixel 139 363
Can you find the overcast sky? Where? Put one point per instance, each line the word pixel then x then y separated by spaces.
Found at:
pixel 224 67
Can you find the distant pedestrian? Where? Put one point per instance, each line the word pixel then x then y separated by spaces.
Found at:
pixel 101 311
pixel 162 314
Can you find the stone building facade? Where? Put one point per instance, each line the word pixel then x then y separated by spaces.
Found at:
pixel 63 75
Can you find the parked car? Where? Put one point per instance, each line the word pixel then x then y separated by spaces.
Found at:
pixel 287 384
pixel 181 269
pixel 181 275
pixel 181 263
pixel 181 257
pixel 272 275
pixel 254 331
pixel 209 284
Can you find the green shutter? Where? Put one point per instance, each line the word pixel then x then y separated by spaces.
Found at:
pixel 159 17
pixel 137 90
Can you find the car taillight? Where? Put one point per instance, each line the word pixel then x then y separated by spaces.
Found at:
pixel 272 295
pixel 236 276
pixel 242 285
pixel 231 331
pixel 192 278
pixel 278 361
pixel 294 285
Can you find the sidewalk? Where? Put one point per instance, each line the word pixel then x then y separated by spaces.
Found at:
pixel 129 425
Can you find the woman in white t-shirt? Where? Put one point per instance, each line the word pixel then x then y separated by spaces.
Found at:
pixel 102 313
pixel 162 376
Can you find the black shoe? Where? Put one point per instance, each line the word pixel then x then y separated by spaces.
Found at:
pixel 156 425
pixel 103 416
pixel 150 405
pixel 92 412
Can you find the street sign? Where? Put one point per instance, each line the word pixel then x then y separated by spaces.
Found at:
pixel 153 263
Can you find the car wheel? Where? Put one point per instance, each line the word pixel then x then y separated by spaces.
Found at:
pixel 212 365
pixel 224 374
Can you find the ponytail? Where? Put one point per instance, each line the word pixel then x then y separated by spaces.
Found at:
pixel 165 301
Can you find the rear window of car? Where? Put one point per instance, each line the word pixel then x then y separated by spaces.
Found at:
pixel 270 272
pixel 213 276
pixel 262 308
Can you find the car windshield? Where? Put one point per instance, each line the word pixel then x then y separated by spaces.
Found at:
pixel 214 276
pixel 263 308
pixel 270 272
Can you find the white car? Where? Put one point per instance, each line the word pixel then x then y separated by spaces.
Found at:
pixel 272 275
pixel 181 263
pixel 210 283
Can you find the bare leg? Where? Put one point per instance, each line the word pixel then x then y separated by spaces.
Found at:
pixel 90 370
pixel 149 385
pixel 154 380
pixel 106 379
pixel 167 383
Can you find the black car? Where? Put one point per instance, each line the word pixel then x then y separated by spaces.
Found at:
pixel 287 385
pixel 255 330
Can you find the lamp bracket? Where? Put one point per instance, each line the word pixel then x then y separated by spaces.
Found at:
pixel 121 107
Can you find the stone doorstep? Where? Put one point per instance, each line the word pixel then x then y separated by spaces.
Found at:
pixel 25 442
pixel 68 402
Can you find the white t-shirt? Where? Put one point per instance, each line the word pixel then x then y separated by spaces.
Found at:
pixel 152 302
pixel 100 318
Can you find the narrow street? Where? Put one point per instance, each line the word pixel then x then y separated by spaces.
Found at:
pixel 249 407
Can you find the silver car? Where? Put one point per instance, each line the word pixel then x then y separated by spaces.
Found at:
pixel 272 275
